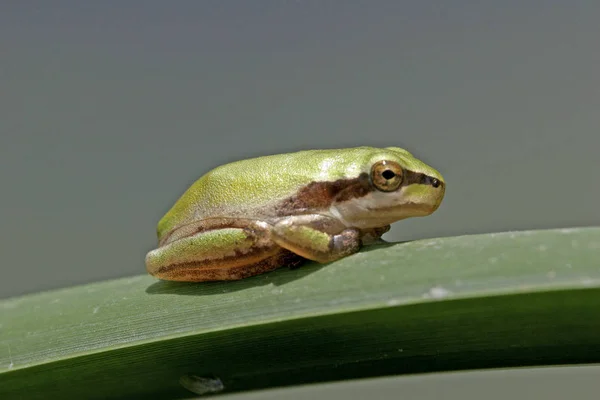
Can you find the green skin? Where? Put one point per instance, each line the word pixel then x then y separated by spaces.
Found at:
pixel 252 216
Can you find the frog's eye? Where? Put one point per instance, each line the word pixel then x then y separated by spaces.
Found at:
pixel 386 175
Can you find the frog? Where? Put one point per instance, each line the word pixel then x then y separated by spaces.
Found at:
pixel 255 215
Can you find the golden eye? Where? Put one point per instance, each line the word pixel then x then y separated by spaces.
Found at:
pixel 386 175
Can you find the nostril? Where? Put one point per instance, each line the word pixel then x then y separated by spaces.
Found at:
pixel 435 183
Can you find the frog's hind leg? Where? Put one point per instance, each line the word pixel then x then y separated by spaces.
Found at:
pixel 281 258
pixel 218 249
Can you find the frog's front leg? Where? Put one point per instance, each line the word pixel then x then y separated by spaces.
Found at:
pixel 373 235
pixel 218 249
pixel 311 237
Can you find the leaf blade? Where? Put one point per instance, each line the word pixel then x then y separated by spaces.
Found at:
pixel 92 323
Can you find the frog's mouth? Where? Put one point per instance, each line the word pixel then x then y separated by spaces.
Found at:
pixel 406 210
pixel 410 208
pixel 378 209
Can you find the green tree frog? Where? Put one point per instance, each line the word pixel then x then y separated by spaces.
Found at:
pixel 252 216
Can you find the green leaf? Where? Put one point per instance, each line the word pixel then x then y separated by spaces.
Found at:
pixel 495 300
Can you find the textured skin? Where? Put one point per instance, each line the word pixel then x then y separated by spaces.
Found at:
pixel 252 216
pixel 249 186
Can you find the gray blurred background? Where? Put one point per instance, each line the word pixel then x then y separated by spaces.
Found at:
pixel 109 110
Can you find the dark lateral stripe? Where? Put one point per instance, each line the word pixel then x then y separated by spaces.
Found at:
pixel 319 195
pixel 411 178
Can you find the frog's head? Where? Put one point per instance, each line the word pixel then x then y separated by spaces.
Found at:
pixel 391 186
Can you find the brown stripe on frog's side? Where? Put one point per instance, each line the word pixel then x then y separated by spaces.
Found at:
pixel 320 195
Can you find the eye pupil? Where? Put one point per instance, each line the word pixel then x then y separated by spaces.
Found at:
pixel 435 182
pixel 388 174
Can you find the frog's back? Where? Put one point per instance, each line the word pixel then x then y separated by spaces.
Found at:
pixel 251 184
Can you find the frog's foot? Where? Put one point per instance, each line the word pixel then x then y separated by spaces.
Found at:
pixel 314 244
